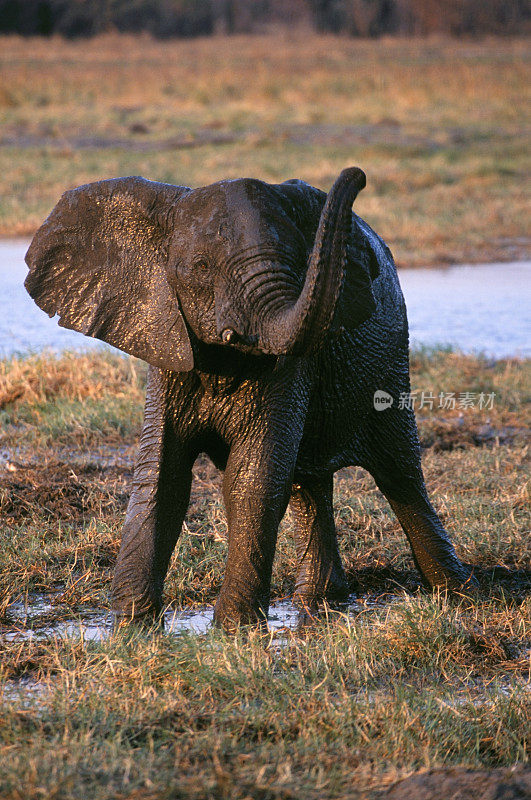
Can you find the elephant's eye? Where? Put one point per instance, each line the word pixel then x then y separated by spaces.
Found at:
pixel 193 270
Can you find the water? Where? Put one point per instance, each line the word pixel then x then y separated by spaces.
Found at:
pixel 23 326
pixel 34 620
pixel 481 308
pixel 38 617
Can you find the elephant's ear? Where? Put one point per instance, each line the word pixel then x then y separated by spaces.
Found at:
pixel 356 304
pixel 99 262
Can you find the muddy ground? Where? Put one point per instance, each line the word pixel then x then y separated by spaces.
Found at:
pixel 464 784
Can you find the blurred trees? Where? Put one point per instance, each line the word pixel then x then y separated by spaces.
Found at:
pixel 421 17
pixel 73 18
pixel 165 18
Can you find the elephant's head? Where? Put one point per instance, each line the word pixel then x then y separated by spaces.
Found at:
pixel 249 265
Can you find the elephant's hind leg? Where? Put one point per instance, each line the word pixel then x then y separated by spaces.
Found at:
pixel 320 573
pixel 433 552
pixel 158 503
pixel 397 471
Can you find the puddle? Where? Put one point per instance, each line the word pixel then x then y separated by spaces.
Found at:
pixel 30 622
pixel 36 619
pixel 23 691
pixel 40 626
pixel 196 621
pixel 482 695
pixel 31 609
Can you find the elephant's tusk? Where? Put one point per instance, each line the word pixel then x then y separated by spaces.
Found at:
pixel 228 335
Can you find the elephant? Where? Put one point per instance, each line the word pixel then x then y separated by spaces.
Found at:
pixel 271 318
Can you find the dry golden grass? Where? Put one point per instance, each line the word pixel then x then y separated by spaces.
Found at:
pixel 40 379
pixel 403 682
pixel 439 127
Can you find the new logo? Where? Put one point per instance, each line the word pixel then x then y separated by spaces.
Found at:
pixel 382 400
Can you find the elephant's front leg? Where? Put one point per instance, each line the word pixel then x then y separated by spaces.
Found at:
pixel 320 574
pixel 256 491
pixel 158 503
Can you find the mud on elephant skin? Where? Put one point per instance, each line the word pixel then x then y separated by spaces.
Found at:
pixel 269 314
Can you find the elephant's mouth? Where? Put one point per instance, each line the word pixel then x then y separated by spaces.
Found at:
pixel 233 359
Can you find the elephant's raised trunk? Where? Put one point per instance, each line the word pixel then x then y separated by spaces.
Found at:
pixel 300 326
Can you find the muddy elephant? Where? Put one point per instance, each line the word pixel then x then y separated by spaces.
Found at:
pixel 270 315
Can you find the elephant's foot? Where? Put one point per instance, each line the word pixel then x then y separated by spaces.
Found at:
pixel 460 582
pixel 233 611
pixel 320 575
pixel 151 622
pixel 144 617
pixel 445 577
pixel 319 581
pixel 443 573
pixel 433 552
pixel 140 605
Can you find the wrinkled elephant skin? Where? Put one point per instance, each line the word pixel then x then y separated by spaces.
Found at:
pixel 270 314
